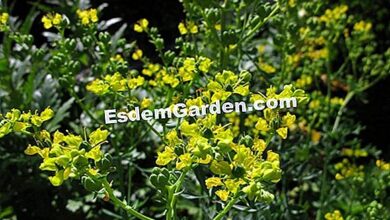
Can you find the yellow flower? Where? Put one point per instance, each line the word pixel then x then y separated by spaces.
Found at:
pixel 182 28
pixel 87 16
pixel 332 15
pixel 146 103
pixel 259 145
pixel 188 129
pixel 315 136
pixel 273 158
pixel 337 101
pixel 51 20
pixel 362 26
pixel 282 132
pixel 318 54
pixel 3 20
pixel 267 68
pixel 190 27
pixel 94 153
pixel 137 55
pixel 98 87
pixel 187 71
pixel 117 82
pixel 135 82
pixel 315 104
pixel 31 150
pixel 4 17
pixel 184 161
pixel 205 64
pixel 242 90
pixel 117 58
pixel 141 25
pixel 206 160
pixel 37 120
pixel 171 80
pixel 382 165
pixel 222 194
pixel 213 182
pixel 98 136
pixel 165 157
pixel 335 215
pixel 288 119
pixel 262 125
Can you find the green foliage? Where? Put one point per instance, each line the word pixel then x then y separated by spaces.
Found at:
pixel 301 163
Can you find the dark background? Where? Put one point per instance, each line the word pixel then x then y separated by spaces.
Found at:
pixel 166 14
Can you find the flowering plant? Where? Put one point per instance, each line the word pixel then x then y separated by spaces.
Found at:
pixel 270 164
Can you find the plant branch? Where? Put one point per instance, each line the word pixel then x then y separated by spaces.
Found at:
pixel 117 202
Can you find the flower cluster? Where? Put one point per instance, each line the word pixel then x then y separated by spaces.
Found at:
pixel 3 20
pixel 67 155
pixel 188 28
pixel 114 83
pixel 51 20
pixel 383 165
pixel 141 25
pixel 236 166
pixel 332 15
pixel 17 121
pixel 347 169
pixel 88 16
pixel 335 215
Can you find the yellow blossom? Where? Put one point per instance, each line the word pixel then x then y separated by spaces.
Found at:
pixel 205 64
pixel 288 119
pixel 267 68
pixel 146 103
pixel 222 194
pixel 165 157
pixel 187 71
pixel 315 136
pixel 362 26
pixel 382 165
pixel 117 58
pixel 3 20
pixel 259 145
pixel 184 161
pixel 98 136
pixel 117 82
pixel 88 16
pixel 141 25
pixel 282 132
pixel 335 215
pixel 332 15
pixel 262 125
pixel 137 55
pixel 189 27
pixel 135 82
pixel 98 87
pixel 51 20
pixel 213 182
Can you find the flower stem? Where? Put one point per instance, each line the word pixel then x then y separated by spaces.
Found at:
pixel 227 208
pixel 117 202
pixel 172 196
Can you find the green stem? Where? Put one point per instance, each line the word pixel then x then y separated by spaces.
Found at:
pixel 340 112
pixel 172 196
pixel 154 130
pixel 117 202
pixel 259 25
pixel 227 208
